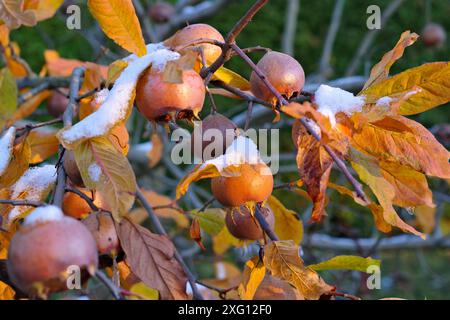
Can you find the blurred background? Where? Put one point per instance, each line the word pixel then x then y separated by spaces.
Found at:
pixel 344 53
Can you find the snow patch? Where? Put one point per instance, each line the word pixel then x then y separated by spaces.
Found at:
pixel 384 102
pixel 43 214
pixel 332 100
pixel 6 148
pixel 95 172
pixel 242 150
pixel 34 182
pixel 116 104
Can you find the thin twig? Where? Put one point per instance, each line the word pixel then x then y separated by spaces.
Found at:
pixel 31 93
pixel 264 225
pixel 30 126
pixel 83 196
pixel 68 115
pixel 248 118
pixel 160 230
pixel 28 203
pixel 115 291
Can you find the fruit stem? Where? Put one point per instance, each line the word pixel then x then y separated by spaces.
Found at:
pixel 264 225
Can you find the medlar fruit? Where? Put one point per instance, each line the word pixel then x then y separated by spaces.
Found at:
pixel 434 35
pixel 254 183
pixel 161 12
pixel 244 226
pixel 75 206
pixel 101 225
pixel 156 99
pixel 57 103
pixel 44 247
pixel 283 72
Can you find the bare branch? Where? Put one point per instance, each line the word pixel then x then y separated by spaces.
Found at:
pixel 27 203
pixel 290 27
pixel 68 115
pixel 31 93
pixel 264 225
pixel 324 66
pixel 115 291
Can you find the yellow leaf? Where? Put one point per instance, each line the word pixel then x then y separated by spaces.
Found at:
pixel 43 9
pixel 346 263
pixel 198 173
pixel 28 107
pixel 369 172
pixel 105 169
pixel 381 70
pixel 224 240
pixel 426 218
pixel 433 80
pixel 282 259
pixel 4 35
pixel 13 61
pixel 118 20
pixel 6 292
pixel 144 292
pixel 287 224
pixel 8 95
pixel 20 160
pixel 231 78
pixel 43 144
pixel 254 273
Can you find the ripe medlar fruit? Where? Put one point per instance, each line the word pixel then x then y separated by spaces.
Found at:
pixel 205 136
pixel 57 103
pixel 283 72
pixel 156 99
pixel 71 169
pixel 434 35
pixel 199 31
pixel 43 248
pixel 244 226
pixel 254 183
pixel 75 206
pixel 272 288
pixel 101 225
pixel 161 12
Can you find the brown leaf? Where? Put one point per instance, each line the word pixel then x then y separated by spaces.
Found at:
pixel 195 233
pixel 283 260
pixel 156 152
pixel 14 14
pixel 151 258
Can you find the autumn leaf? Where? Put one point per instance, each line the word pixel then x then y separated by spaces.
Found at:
pixel 105 169
pixel 282 259
pixel 224 240
pixel 426 218
pixel 199 172
pixel 429 85
pixel 6 292
pixel 381 70
pixel 151 258
pixel 118 20
pixel 43 144
pixel 28 107
pixel 43 9
pixel 253 276
pixel 369 172
pixel 231 78
pixel 346 263
pixel 14 62
pixel 114 71
pixel 18 164
pixel 156 151
pixel 211 220
pixel 406 142
pixel 287 224
pixel 4 35
pixel 8 95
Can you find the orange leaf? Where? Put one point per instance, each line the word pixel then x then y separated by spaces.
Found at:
pixel 118 20
pixel 43 144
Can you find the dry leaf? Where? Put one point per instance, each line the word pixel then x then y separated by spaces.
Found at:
pixel 282 259
pixel 151 258
pixel 254 273
pixel 156 151
pixel 43 144
pixel 14 15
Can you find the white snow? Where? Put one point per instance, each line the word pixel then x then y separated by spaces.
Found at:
pixel 42 214
pixel 242 150
pixel 384 102
pixel 116 105
pixel 6 148
pixel 144 147
pixel 199 287
pixel 151 47
pixel 35 182
pixel 100 97
pixel 95 172
pixel 331 101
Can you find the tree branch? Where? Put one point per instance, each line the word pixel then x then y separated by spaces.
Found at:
pixel 68 115
pixel 28 203
pixel 290 27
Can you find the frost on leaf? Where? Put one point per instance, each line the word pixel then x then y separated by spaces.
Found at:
pixel 34 185
pixel 6 148
pixel 331 101
pixel 117 105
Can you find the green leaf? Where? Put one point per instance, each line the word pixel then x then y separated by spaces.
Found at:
pixel 211 221
pixel 346 263
pixel 8 95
